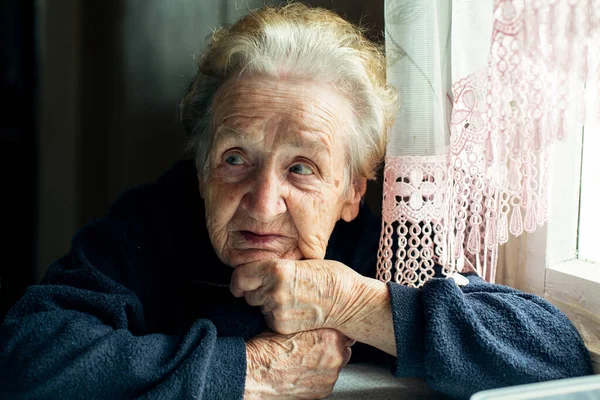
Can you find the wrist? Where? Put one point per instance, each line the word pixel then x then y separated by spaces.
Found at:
pixel 369 318
pixel 367 299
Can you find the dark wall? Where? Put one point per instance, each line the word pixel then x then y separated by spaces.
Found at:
pixel 111 74
pixel 18 147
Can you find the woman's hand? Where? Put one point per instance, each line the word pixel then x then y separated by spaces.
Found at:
pixel 305 365
pixel 298 296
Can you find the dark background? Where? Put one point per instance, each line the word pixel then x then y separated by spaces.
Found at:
pixel 90 91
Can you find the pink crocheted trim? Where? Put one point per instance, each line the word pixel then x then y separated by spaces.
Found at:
pixel 455 209
pixel 415 211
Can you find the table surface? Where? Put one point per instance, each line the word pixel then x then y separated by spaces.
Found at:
pixel 375 382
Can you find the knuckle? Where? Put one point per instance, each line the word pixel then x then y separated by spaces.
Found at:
pixel 278 315
pixel 233 283
pixel 281 270
pixel 277 270
pixel 278 325
pixel 330 336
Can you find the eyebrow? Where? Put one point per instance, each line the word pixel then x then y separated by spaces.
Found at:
pixel 225 133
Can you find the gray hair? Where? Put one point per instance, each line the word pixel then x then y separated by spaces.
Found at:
pixel 305 43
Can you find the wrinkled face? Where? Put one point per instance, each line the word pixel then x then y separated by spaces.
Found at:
pixel 274 187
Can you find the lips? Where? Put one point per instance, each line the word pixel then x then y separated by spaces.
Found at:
pixel 260 238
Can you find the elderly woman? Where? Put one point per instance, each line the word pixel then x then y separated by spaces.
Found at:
pixel 249 272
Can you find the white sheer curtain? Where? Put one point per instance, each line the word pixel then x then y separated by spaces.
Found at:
pixel 486 89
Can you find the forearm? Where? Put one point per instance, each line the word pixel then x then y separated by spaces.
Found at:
pixel 84 335
pixel 64 353
pixel 368 316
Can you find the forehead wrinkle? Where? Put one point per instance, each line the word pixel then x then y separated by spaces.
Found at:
pixel 271 94
pixel 320 118
pixel 226 133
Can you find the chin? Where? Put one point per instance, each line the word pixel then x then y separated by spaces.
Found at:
pixel 240 257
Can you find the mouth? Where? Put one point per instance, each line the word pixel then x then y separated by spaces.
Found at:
pixel 260 238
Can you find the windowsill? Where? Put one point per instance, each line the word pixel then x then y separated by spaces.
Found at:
pixel 574 287
pixel 580 269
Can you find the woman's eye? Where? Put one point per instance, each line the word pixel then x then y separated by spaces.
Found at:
pixel 234 159
pixel 301 169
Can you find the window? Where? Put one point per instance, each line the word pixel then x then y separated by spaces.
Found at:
pixel 561 261
pixel 588 245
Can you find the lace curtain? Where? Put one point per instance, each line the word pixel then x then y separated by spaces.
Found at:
pixel 487 88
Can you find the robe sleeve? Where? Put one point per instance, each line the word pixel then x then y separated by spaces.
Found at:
pixel 481 336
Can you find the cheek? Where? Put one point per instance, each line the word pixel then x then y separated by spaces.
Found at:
pixel 314 215
pixel 221 202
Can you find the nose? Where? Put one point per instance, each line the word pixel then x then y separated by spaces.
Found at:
pixel 264 200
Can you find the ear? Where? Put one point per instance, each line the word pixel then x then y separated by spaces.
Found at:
pixel 352 204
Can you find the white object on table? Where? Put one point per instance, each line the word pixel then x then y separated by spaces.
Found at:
pixel 582 388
